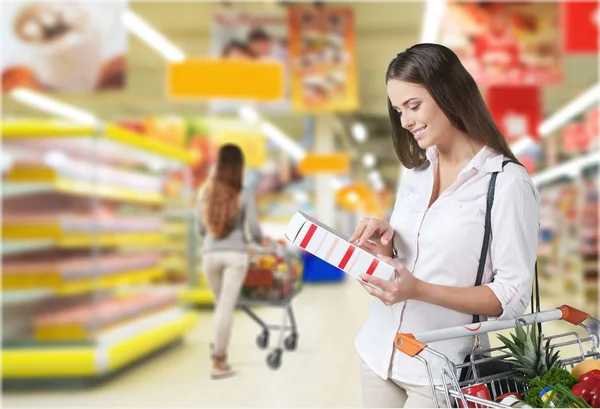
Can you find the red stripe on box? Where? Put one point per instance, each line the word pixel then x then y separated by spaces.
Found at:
pixel 311 231
pixel 346 257
pixel 372 267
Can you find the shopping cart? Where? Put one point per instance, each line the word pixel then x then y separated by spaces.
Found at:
pixel 274 278
pixel 415 346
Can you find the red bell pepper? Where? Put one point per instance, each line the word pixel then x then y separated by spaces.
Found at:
pixel 594 373
pixel 589 388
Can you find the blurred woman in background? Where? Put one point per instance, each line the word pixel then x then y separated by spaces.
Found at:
pixel 224 209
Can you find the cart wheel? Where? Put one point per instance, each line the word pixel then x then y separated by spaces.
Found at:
pixel 274 359
pixel 263 340
pixel 291 342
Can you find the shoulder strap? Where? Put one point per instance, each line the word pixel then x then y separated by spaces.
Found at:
pixel 486 242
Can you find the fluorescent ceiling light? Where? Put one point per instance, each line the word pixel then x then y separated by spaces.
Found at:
pixel 248 114
pixel 150 36
pixel 283 141
pixel 571 110
pixel 568 169
pixel 560 118
pixel 359 132
pixel 53 106
pixel 352 197
pixel 376 180
pixel 369 160
pixel 521 146
pixel 432 20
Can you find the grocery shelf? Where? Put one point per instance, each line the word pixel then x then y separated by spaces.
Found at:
pixel 21 296
pixel 64 239
pixel 62 287
pixel 60 184
pixel 111 132
pixel 17 247
pixel 113 349
pixel 197 296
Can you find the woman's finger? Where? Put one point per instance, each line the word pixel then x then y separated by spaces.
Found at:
pixel 358 231
pixel 368 232
pixel 371 290
pixel 387 236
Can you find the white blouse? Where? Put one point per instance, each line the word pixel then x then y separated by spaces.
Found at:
pixel 442 245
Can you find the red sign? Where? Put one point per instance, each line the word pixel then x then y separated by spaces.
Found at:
pixel 516 110
pixel 580 26
pixel 574 138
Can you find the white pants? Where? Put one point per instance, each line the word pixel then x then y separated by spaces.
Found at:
pixel 225 273
pixel 378 393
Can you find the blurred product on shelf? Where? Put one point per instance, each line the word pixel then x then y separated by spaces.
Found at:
pixel 84 226
pixel 82 322
pixel 568 248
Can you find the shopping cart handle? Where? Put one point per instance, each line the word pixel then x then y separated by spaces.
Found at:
pixel 573 315
pixel 408 344
pixel 413 344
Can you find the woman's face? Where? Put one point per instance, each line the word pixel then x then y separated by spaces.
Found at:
pixel 419 113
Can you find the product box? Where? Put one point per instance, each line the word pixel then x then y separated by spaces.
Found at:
pixel 329 245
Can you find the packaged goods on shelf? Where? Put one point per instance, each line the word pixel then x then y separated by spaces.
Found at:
pixel 83 321
pixel 83 233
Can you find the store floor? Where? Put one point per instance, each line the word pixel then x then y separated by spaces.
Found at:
pixel 323 371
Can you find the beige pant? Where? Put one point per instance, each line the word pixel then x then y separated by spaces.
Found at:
pixel 378 393
pixel 225 273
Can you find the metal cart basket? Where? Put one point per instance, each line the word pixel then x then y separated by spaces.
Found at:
pixel 574 349
pixel 274 278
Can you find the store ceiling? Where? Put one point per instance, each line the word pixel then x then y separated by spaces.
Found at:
pixel 382 30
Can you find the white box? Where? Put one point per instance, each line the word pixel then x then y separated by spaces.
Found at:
pixel 332 247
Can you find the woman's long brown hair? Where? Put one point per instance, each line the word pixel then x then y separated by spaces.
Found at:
pixel 439 70
pixel 221 197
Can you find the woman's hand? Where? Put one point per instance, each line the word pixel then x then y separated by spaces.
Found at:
pixel 375 236
pixel 405 285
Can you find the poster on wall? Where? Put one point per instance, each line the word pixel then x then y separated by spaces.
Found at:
pixel 323 59
pixel 238 34
pixel 505 43
pixel 516 110
pixel 74 46
pixel 580 21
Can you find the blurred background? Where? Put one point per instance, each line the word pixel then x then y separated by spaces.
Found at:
pixel 112 114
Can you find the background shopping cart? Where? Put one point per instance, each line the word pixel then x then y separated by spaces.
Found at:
pixel 274 278
pixel 574 349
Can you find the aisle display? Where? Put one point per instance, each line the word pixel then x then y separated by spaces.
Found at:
pixel 84 235
pixel 568 245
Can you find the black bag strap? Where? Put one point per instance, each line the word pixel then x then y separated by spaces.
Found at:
pixel 486 242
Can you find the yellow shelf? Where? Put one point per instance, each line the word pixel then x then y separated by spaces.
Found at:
pixel 101 359
pixel 39 179
pixel 197 296
pixel 66 239
pixel 44 129
pixel 61 287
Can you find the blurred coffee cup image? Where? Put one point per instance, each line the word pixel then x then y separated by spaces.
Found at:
pixel 59 46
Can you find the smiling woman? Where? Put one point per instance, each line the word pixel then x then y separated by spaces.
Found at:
pixel 445 275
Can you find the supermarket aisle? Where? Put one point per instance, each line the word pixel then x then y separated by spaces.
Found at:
pixel 323 371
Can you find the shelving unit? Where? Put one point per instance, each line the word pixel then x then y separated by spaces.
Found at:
pixel 83 250
pixel 568 253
